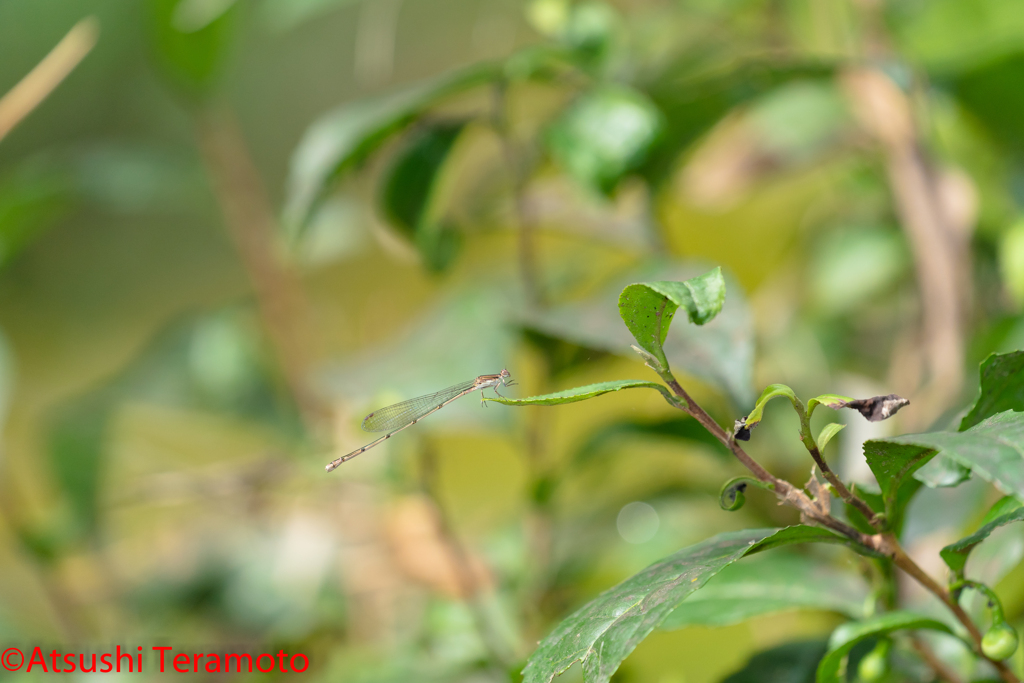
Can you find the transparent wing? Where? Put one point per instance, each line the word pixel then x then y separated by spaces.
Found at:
pixel 400 414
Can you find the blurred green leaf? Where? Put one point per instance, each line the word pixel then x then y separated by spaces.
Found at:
pixel 345 137
pixel 1002 388
pixel 787 663
pixel 983 30
pixel 854 266
pixel 693 99
pixel 647 308
pixel 1011 261
pixel 720 352
pixel 583 393
pixel 409 188
pixel 30 201
pixel 992 449
pixel 75 443
pixel 847 636
pixel 771 583
pixel 955 555
pixel 993 92
pixel 770 392
pixel 604 631
pixel 600 441
pixel 603 135
pixel 284 15
pixel 190 51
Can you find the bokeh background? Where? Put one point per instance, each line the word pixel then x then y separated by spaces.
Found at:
pixel 237 226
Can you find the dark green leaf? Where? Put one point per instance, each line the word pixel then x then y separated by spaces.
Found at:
pixel 720 352
pixel 409 187
pixel 30 201
pixel 582 393
pixel 694 99
pixel 191 56
pixel 647 308
pixel 1002 388
pixel 955 555
pixel 604 631
pixel 993 92
pixel 896 513
pixel 605 134
pixel 892 461
pixel 348 135
pixel 848 635
pixel 993 449
pixel 788 663
pixel 771 583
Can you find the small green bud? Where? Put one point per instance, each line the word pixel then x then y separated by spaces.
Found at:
pixel 1000 642
pixel 875 664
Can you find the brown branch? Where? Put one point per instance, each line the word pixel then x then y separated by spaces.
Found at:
pixel 252 226
pixel 942 671
pixel 461 562
pixel 47 74
pixel 892 547
pixel 846 494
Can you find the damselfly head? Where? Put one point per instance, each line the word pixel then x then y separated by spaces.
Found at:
pixel 504 373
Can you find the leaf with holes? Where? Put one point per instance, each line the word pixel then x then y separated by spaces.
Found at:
pixel 604 631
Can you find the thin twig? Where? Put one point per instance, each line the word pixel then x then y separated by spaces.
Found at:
pixel 941 670
pixel 252 226
pixel 469 586
pixel 524 223
pixel 47 74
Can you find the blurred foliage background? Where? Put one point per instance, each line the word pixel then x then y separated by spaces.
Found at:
pixel 236 227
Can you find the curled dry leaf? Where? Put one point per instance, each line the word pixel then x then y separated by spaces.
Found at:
pixel 822 497
pixel 740 430
pixel 427 556
pixel 878 408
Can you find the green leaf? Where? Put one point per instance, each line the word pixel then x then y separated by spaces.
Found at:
pixel 648 308
pixel 721 352
pixel 788 663
pixel 992 449
pixel 604 631
pixel 190 57
pixel 75 444
pixel 345 137
pixel 408 192
pixel 844 638
pixel 771 391
pixel 603 135
pixel 1002 388
pixel 892 462
pixel 955 555
pixel 827 432
pixel 1003 506
pixel 583 393
pixel 896 513
pixel 771 583
pixel 833 401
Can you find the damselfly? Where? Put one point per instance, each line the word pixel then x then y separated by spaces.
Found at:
pixel 399 416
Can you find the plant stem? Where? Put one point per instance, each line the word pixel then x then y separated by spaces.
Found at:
pixel 783 489
pixel 904 562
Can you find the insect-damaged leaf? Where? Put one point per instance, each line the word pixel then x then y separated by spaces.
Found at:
pixel 604 631
pixel 647 308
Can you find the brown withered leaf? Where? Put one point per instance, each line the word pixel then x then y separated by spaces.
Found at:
pixel 878 408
